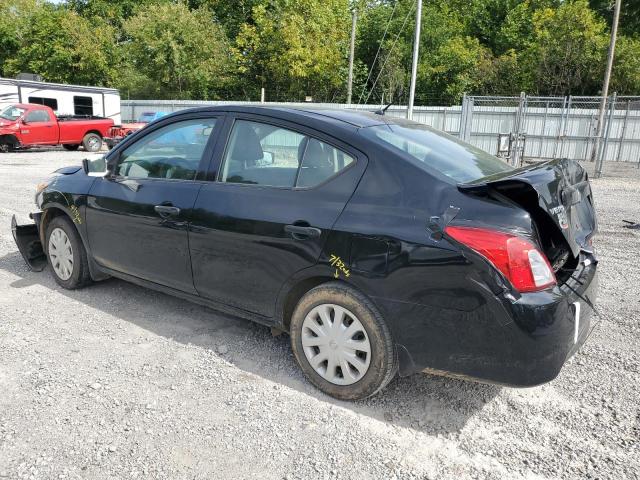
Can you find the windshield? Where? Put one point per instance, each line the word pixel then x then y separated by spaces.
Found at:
pixel 439 151
pixel 11 113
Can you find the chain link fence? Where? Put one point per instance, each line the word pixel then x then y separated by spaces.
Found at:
pixel 520 129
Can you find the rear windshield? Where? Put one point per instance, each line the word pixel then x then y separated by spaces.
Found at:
pixel 438 151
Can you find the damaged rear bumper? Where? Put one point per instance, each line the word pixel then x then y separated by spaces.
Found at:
pixel 519 343
pixel 27 238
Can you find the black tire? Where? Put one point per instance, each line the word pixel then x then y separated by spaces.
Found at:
pixel 92 142
pixel 71 148
pixel 383 362
pixel 80 276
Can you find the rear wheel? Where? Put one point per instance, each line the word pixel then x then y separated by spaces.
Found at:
pixel 71 148
pixel 342 343
pixel 66 254
pixel 92 142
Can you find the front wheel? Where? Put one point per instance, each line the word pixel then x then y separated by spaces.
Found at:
pixel 92 142
pixel 342 343
pixel 66 254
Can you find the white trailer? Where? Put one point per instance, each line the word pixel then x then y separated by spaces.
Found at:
pixel 63 99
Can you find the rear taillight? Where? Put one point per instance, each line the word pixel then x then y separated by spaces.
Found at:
pixel 518 259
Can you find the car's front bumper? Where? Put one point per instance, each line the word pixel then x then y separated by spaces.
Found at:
pixel 27 238
pixel 523 342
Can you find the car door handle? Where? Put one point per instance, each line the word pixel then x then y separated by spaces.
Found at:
pixel 299 232
pixel 166 210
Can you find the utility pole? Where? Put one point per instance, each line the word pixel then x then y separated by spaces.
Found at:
pixel 595 152
pixel 354 19
pixel 414 61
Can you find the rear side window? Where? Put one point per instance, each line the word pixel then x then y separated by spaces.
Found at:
pixel 36 116
pixel 320 162
pixel 264 154
pixel 439 151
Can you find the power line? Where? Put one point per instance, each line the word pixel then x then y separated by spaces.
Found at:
pixel 364 88
pixel 395 41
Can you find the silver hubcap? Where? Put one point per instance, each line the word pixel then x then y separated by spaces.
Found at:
pixel 61 254
pixel 93 143
pixel 336 344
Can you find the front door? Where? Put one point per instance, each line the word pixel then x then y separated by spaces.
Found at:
pixel 40 128
pixel 277 194
pixel 137 219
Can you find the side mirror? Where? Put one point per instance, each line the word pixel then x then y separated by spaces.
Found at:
pixel 24 122
pixel 95 166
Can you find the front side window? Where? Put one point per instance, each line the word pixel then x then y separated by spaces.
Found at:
pixel 263 154
pixel 428 148
pixel 172 152
pixel 37 116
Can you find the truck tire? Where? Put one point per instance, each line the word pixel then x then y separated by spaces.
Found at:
pixel 92 142
pixel 71 148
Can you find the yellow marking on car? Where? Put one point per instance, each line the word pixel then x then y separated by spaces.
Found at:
pixel 75 214
pixel 336 261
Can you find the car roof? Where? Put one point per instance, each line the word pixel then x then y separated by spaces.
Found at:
pixel 28 105
pixel 346 117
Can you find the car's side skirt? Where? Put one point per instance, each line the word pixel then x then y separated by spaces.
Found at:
pixel 226 309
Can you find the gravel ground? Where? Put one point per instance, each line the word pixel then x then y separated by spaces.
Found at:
pixel 116 381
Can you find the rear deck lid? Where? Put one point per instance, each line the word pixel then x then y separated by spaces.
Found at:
pixel 564 194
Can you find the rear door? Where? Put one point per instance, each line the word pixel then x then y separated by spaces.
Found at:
pixel 277 192
pixel 39 128
pixel 137 221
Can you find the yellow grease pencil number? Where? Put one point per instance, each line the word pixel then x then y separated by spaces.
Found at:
pixel 339 265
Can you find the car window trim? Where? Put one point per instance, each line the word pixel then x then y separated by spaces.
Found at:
pixel 233 117
pixel 206 153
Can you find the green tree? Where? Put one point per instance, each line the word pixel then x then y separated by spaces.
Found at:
pixel 625 78
pixel 115 12
pixel 567 52
pixel 14 15
pixel 295 48
pixel 173 52
pixel 231 15
pixel 63 47
pixel 629 14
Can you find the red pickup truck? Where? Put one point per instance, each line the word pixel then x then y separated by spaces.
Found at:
pixel 30 125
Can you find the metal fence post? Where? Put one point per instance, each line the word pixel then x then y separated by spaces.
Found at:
pixel 463 117
pixel 518 130
pixel 603 146
pixel 566 126
pixel 560 125
pixel 544 129
pixel 624 130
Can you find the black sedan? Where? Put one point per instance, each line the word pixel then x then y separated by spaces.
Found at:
pixel 380 245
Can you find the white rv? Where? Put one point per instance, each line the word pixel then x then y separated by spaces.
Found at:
pixel 63 99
